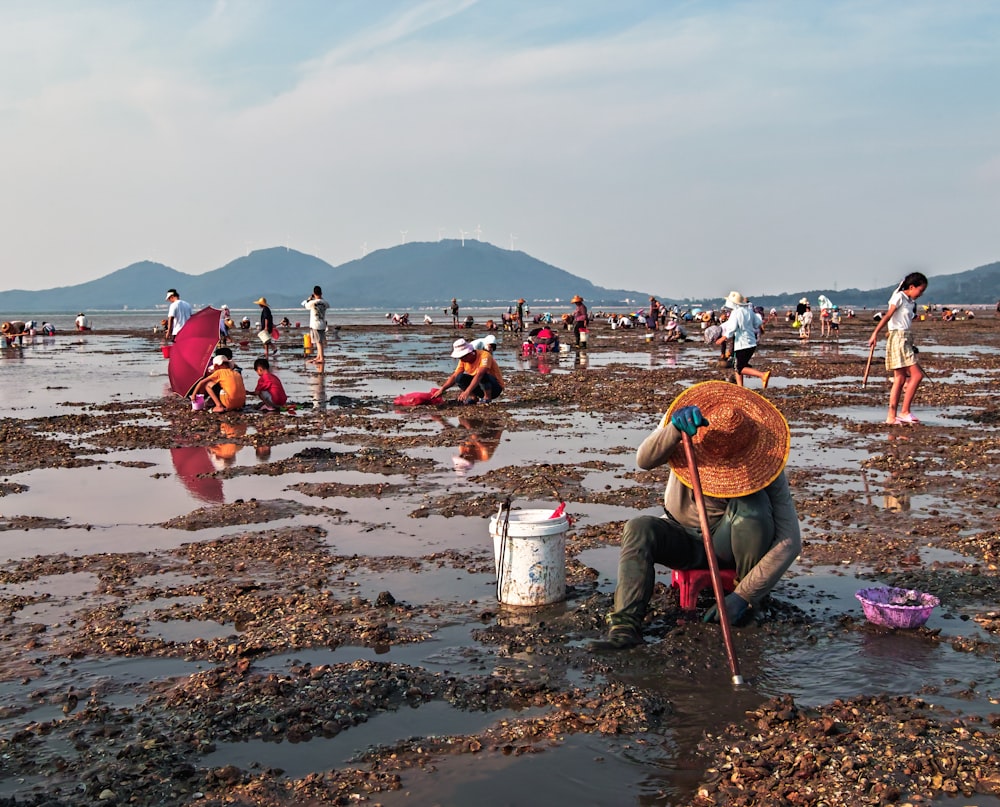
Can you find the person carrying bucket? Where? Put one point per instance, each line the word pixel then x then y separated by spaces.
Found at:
pixel 740 444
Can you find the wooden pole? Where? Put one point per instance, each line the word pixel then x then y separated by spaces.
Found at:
pixel 713 563
pixel 868 366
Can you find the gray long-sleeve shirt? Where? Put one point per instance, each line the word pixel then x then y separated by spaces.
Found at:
pixel 678 500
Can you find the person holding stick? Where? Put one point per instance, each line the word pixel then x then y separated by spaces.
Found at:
pixel 740 442
pixel 900 354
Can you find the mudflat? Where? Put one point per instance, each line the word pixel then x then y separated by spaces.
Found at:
pixel 300 607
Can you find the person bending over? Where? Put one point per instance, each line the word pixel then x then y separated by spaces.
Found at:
pixel 477 374
pixel 224 385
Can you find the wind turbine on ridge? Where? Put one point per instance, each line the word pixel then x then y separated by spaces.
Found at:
pixel 402 236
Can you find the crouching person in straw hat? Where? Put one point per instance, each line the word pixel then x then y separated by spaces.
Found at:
pixel 741 444
pixel 477 374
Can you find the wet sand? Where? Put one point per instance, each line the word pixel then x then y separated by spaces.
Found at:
pixel 300 608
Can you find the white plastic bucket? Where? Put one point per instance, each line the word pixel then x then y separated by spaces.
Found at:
pixel 583 336
pixel 531 559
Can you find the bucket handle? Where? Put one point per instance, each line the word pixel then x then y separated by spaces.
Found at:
pixel 503 522
pixel 502 513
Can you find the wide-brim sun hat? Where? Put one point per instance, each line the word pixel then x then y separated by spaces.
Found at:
pixel 576 299
pixel 742 450
pixel 734 299
pixel 461 348
pixel 260 301
pixel 671 324
pixel 804 301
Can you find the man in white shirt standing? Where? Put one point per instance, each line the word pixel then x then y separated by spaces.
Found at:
pixel 178 313
pixel 317 322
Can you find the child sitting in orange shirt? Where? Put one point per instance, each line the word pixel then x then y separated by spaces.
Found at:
pixel 224 386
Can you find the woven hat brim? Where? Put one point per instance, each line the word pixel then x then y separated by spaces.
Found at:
pixel 749 468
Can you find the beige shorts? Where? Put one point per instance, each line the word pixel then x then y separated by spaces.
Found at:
pixel 899 350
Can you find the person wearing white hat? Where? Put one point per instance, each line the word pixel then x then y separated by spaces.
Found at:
pixel 477 374
pixel 740 443
pixel 488 342
pixel 224 385
pixel 674 332
pixel 742 326
pixel 178 313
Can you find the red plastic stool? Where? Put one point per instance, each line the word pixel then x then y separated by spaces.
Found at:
pixel 692 581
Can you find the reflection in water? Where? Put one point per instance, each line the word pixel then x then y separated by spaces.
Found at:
pixel 898 448
pixel 196 471
pixel 223 455
pixel 667 359
pixel 317 385
pixel 196 465
pixel 582 359
pixel 899 648
pixel 542 362
pixel 896 504
pixel 481 441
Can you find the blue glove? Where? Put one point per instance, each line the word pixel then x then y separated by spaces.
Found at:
pixel 737 610
pixel 688 419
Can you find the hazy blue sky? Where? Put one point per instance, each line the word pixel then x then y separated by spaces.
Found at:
pixel 682 148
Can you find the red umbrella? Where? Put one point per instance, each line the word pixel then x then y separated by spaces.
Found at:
pixel 192 350
pixel 195 469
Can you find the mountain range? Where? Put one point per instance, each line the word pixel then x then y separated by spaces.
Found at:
pixel 416 276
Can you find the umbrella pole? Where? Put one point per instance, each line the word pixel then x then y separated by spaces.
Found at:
pixel 713 563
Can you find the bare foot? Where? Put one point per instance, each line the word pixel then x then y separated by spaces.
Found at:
pixel 218 409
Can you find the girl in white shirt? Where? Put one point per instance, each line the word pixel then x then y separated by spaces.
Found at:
pixel 900 355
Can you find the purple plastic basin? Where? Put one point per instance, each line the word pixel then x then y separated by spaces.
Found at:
pixel 896 607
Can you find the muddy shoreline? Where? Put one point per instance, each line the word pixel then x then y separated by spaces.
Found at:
pixel 294 640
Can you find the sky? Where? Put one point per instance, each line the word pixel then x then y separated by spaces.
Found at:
pixel 677 147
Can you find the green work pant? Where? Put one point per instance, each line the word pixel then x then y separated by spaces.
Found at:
pixel 741 537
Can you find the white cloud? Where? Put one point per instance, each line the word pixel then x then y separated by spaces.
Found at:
pixel 759 140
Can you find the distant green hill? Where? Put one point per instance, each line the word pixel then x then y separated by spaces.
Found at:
pixel 414 276
pixel 409 276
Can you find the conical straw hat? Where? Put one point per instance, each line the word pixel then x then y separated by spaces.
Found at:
pixel 742 450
